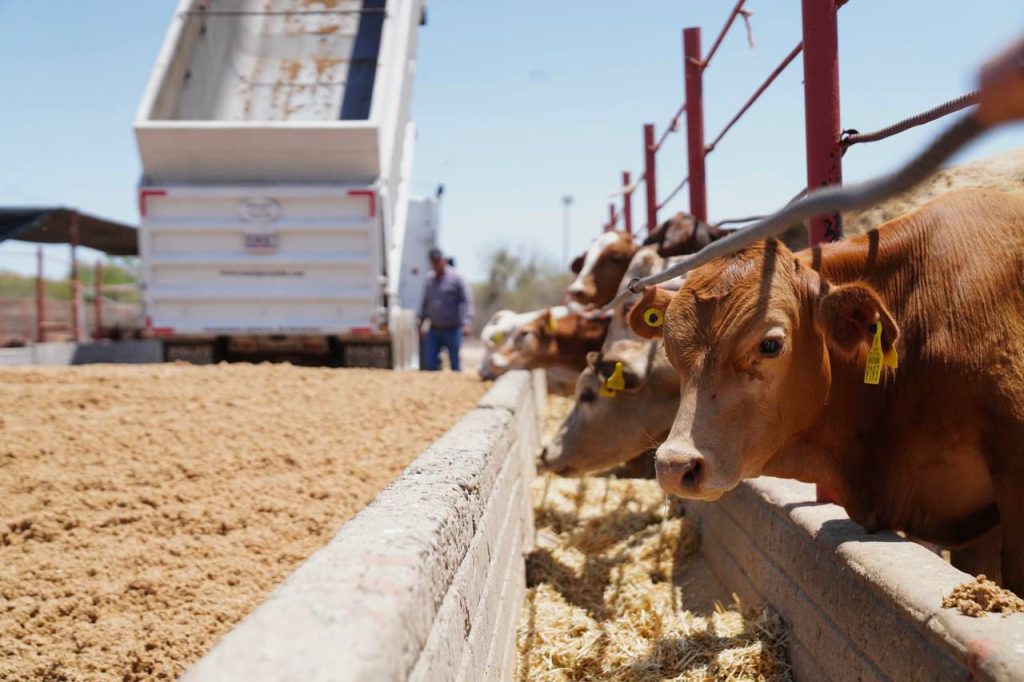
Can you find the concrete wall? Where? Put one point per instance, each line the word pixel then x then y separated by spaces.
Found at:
pixel 425 583
pixel 118 352
pixel 859 606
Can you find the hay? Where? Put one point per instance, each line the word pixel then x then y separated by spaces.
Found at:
pixel 977 597
pixel 605 602
pixel 558 408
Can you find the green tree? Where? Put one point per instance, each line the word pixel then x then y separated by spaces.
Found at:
pixel 518 282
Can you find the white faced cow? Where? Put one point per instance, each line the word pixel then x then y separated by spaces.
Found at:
pixel 600 269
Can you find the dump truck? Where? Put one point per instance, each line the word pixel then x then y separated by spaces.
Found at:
pixel 276 220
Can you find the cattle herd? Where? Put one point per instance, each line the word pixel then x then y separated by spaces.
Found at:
pixel 887 368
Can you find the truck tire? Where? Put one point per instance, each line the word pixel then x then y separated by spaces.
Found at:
pixel 366 354
pixel 194 352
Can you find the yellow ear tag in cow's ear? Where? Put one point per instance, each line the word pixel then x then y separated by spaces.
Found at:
pixel 616 382
pixel 873 370
pixel 497 338
pixel 551 325
pixel 891 358
pixel 653 317
pixel 606 392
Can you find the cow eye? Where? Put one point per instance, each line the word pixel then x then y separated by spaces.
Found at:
pixel 770 346
pixel 588 396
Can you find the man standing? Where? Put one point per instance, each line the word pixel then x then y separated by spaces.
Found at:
pixel 448 309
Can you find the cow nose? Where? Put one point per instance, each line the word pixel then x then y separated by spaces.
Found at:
pixel 549 457
pixel 680 474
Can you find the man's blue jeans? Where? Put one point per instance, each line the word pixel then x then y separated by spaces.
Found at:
pixel 450 338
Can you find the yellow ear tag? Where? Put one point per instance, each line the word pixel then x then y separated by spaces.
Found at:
pixel 606 392
pixel 653 317
pixel 551 325
pixel 497 338
pixel 873 369
pixel 616 382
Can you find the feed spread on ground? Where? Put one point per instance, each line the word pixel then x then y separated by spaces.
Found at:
pixel 146 510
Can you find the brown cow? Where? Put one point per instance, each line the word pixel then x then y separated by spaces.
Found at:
pixel 603 429
pixel 600 432
pixel 773 348
pixel 683 234
pixel 600 269
pixel 556 339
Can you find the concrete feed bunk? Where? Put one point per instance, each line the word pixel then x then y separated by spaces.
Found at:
pixel 423 584
pixel 145 510
pixel 428 581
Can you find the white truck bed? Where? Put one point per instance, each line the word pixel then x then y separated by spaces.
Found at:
pixel 276 148
pixel 311 269
pixel 279 90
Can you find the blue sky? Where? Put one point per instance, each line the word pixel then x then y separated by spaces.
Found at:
pixel 517 103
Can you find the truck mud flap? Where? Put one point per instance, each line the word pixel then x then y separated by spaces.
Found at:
pixel 194 352
pixel 375 355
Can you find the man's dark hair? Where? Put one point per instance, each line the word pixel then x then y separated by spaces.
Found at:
pixel 435 254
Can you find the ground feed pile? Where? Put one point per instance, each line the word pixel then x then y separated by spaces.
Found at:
pixel 979 596
pixel 607 599
pixel 145 510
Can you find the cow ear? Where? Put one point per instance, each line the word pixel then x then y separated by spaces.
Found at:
pixel 577 264
pixel 613 368
pixel 846 316
pixel 592 358
pixel 648 315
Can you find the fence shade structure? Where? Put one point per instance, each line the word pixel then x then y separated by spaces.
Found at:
pixel 39 307
pixel 60 225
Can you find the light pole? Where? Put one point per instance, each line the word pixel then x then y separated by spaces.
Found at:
pixel 567 203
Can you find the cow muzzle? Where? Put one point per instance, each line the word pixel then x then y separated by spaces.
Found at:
pixel 581 292
pixel 681 474
pixel 552 460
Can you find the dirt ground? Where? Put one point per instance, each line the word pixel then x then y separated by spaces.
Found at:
pixel 145 510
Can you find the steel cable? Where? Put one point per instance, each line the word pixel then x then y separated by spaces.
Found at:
pixel 821 201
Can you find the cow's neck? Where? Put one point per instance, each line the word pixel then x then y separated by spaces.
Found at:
pixel 807 461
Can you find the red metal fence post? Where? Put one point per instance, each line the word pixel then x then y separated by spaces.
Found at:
pixel 627 202
pixel 97 298
pixel 821 108
pixel 821 118
pixel 40 298
pixel 611 218
pixel 693 68
pixel 26 315
pixel 74 276
pixel 650 177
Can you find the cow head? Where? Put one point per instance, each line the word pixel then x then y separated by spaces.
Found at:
pixel 606 427
pixel 682 234
pixel 755 337
pixel 500 328
pixel 555 337
pixel 600 269
pixel 516 348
